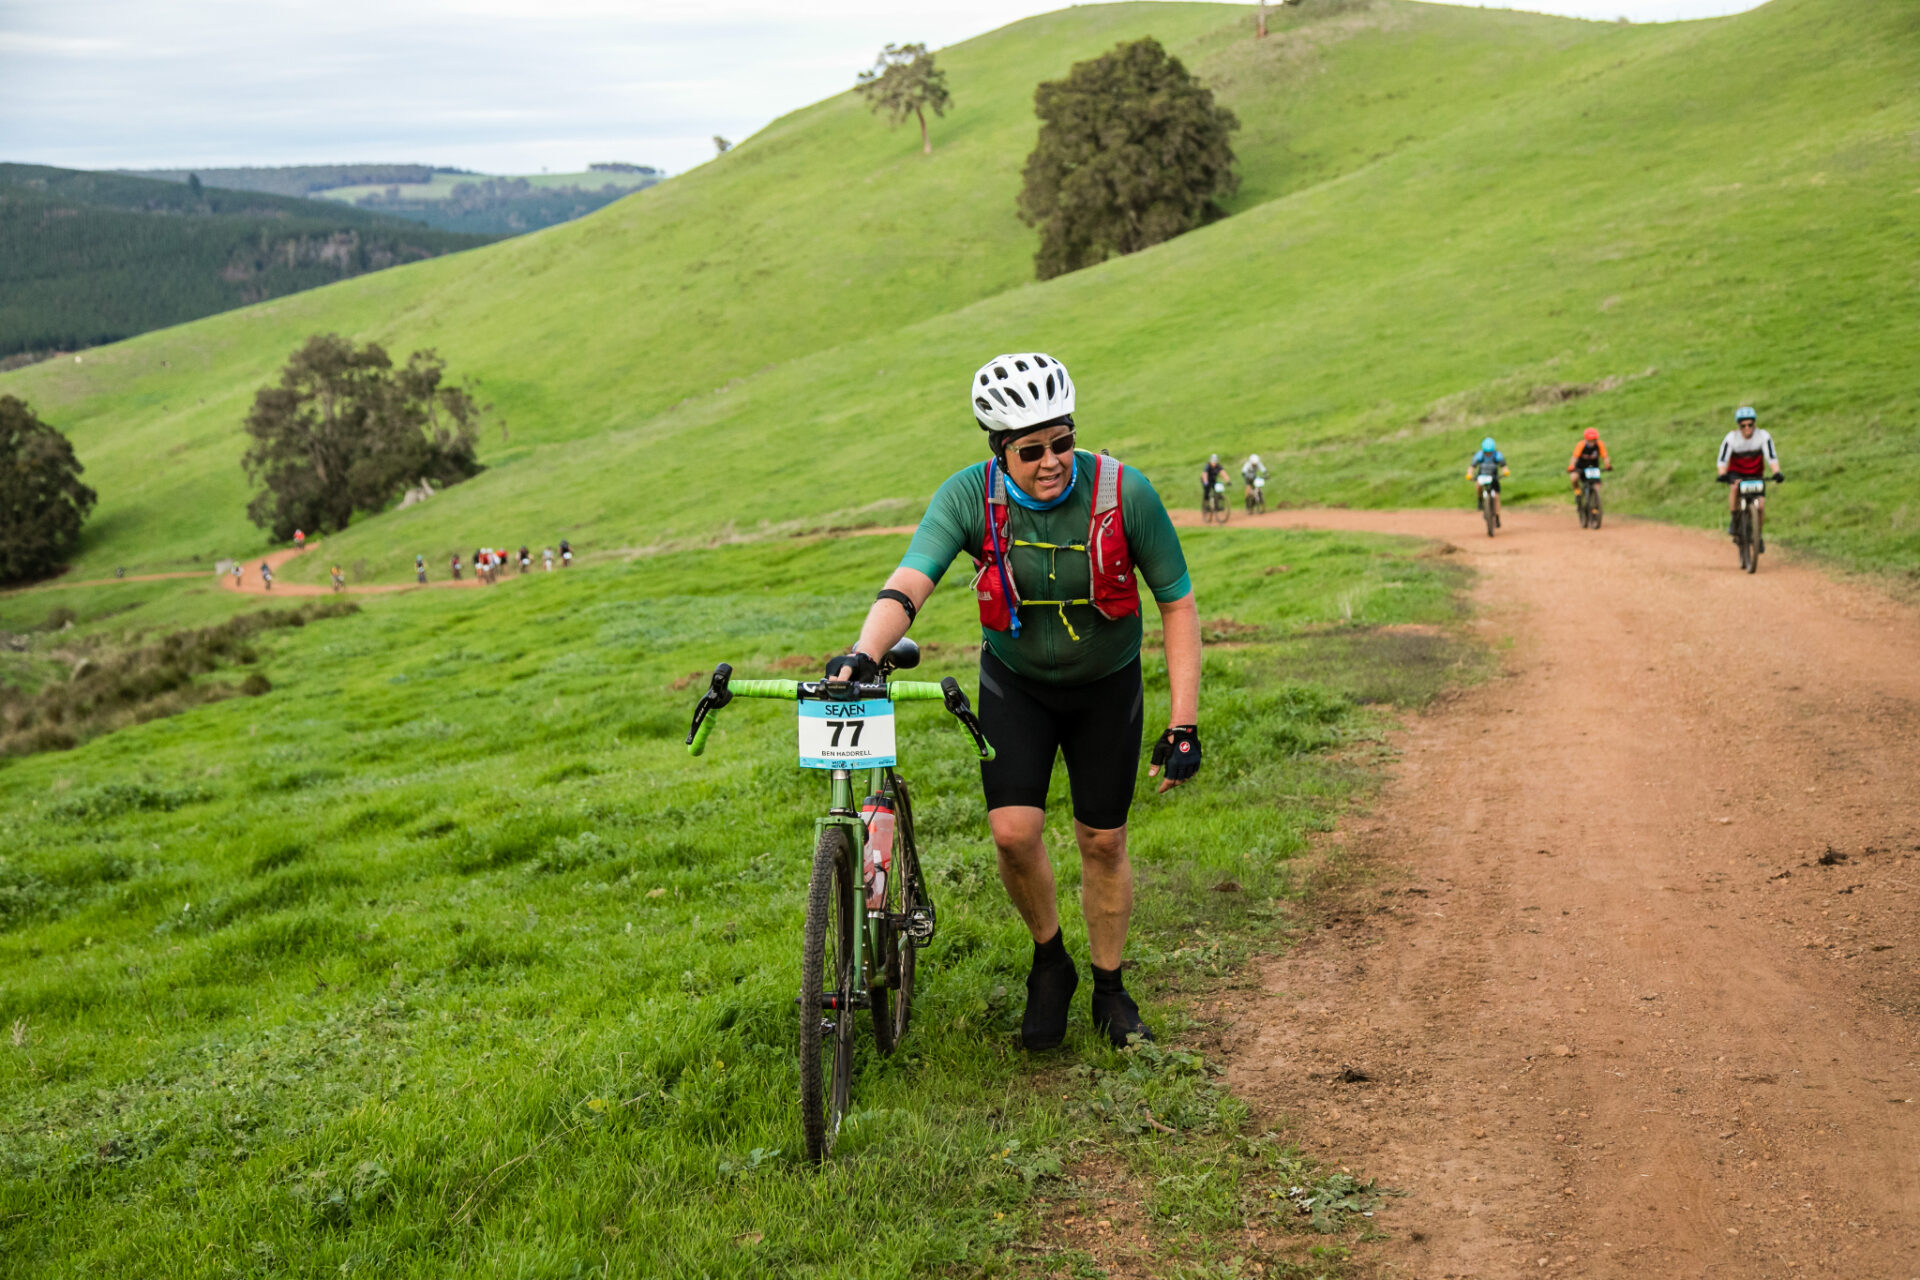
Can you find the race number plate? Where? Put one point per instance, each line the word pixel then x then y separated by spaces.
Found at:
pixel 846 735
pixel 1753 486
pixel 1593 473
pixel 1484 479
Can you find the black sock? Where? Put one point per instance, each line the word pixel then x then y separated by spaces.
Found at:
pixel 1050 988
pixel 1051 952
pixel 1114 1011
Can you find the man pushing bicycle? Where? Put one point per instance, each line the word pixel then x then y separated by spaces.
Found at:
pixel 1061 675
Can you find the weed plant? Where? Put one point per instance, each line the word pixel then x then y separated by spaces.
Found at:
pixel 108 689
pixel 443 957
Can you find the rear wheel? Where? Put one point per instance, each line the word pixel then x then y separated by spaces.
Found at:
pixel 826 993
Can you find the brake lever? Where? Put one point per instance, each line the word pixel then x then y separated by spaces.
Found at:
pixel 956 701
pixel 717 696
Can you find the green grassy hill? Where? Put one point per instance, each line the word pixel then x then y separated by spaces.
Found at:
pixel 1453 222
pixel 88 258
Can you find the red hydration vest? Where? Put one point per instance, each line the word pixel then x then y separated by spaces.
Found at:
pixel 1115 594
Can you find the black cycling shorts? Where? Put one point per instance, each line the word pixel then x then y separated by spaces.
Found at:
pixel 1096 727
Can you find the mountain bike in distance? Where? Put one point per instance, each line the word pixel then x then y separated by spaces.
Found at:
pixel 1257 498
pixel 1749 524
pixel 1213 502
pixel 1589 502
pixel 1489 500
pixel 868 911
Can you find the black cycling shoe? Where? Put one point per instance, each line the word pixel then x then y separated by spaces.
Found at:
pixel 1050 988
pixel 1115 1015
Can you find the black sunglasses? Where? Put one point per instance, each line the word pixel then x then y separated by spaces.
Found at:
pixel 1062 445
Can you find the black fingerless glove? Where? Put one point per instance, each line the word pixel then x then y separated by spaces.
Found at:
pixel 1178 752
pixel 1779 477
pixel 855 666
pixel 1724 478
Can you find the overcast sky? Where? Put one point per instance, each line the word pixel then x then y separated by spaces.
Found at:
pixel 500 86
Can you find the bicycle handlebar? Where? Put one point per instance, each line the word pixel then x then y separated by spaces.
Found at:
pixel 723 688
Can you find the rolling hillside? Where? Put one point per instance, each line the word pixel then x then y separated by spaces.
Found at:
pixel 87 258
pixel 1452 222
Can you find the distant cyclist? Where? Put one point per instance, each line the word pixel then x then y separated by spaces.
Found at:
pixel 547 554
pixel 1489 461
pixel 566 554
pixel 238 572
pixel 1590 452
pixel 1746 454
pixel 526 559
pixel 1252 469
pixel 456 566
pixel 1210 475
pixel 266 575
pixel 420 570
pixel 299 540
pixel 339 578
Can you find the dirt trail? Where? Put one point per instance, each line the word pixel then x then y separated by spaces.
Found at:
pixel 1635 978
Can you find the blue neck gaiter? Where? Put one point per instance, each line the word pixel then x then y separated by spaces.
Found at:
pixel 1034 504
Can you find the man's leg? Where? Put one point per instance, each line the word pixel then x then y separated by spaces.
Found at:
pixel 1024 868
pixel 1022 728
pixel 1101 745
pixel 1106 891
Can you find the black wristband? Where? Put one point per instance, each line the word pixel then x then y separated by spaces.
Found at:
pixel 902 599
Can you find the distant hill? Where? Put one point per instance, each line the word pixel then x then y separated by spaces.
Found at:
pixel 88 258
pixel 1452 222
pixel 447 199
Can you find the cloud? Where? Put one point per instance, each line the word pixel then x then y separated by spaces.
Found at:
pixel 494 85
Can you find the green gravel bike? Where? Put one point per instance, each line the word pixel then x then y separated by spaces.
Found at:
pixel 868 910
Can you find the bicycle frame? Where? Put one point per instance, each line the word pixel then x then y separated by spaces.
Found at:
pixel 843 801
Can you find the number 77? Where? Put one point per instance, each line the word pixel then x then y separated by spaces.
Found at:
pixel 839 725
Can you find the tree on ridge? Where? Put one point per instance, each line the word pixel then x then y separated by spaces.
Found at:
pixel 1132 151
pixel 904 82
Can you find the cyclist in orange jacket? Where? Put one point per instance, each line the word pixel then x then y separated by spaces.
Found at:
pixel 1590 452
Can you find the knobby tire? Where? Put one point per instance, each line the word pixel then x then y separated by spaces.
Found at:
pixel 826 967
pixel 1756 522
pixel 1486 510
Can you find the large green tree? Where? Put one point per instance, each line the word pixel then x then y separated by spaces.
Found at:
pixel 905 82
pixel 42 502
pixel 345 431
pixel 1133 151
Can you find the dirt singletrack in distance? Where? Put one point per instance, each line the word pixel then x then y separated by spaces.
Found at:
pixel 1634 971
pixel 251 583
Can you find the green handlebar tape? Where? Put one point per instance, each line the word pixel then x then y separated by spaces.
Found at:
pixel 699 742
pixel 787 689
pixel 916 691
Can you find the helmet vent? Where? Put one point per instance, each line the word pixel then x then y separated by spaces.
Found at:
pixel 997 397
pixel 1021 365
pixel 1015 397
pixel 980 403
pixel 1049 386
pixel 999 373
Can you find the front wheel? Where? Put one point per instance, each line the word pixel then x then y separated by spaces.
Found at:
pixel 1756 520
pixel 1487 510
pixel 826 994
pixel 1593 508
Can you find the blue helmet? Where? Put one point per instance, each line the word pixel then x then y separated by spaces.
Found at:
pixel 1745 413
pixel 1487 445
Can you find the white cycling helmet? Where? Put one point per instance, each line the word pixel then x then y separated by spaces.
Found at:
pixel 1254 458
pixel 1019 391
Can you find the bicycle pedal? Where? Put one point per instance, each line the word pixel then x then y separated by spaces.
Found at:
pixel 919 926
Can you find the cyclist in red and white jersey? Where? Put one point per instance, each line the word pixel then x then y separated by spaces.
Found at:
pixel 1746 454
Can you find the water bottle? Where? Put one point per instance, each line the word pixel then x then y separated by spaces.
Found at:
pixel 876 812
